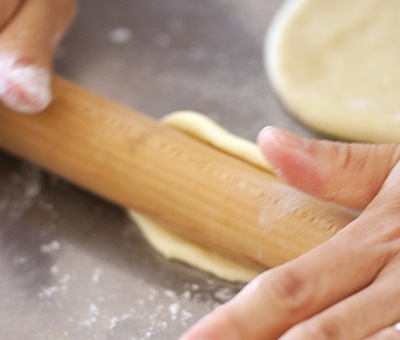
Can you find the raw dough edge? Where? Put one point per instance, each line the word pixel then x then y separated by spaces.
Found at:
pixel 341 79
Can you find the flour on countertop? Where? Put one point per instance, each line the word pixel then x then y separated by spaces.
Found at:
pixel 19 196
pixel 96 274
pixel 120 35
pixel 51 247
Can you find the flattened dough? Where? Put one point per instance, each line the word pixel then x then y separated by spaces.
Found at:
pixel 175 247
pixel 335 65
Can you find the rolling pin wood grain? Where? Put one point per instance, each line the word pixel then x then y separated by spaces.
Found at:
pixel 200 193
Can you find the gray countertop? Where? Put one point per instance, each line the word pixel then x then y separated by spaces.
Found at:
pixel 75 267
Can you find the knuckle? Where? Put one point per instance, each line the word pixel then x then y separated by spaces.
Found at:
pixel 289 287
pixel 332 328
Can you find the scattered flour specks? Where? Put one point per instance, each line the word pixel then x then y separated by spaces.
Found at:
pixel 93 309
pixel 25 186
pixel 174 310
pixel 120 35
pixel 50 247
pixel 224 294
pixel 115 320
pixel 48 292
pixel 65 279
pixel 54 270
pixel 170 294
pixel 92 315
pixel 19 260
pixel 96 274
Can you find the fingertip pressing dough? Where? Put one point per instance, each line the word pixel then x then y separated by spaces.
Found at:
pixel 335 65
pixel 175 247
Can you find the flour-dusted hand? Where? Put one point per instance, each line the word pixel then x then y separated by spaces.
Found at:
pixel 347 288
pixel 29 34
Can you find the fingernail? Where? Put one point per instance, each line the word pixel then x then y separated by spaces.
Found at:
pixel 24 87
pixel 271 134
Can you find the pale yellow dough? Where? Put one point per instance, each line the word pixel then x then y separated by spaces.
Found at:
pixel 175 247
pixel 335 65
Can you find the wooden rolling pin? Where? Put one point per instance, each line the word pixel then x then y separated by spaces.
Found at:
pixel 206 196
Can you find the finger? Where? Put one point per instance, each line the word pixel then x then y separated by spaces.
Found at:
pixel 300 289
pixel 353 318
pixel 27 47
pixel 284 296
pixel 350 174
pixel 388 333
pixel 356 317
pixel 7 10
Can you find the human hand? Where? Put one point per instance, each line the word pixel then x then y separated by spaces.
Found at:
pixel 30 31
pixel 346 288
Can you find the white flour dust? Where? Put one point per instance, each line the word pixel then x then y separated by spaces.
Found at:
pixel 24 87
pixel 20 191
pixel 120 35
pixel 51 247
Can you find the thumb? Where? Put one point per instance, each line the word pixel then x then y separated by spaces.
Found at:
pixel 27 46
pixel 350 174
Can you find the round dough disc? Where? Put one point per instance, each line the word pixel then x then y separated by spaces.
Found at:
pixel 335 65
